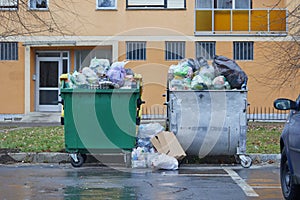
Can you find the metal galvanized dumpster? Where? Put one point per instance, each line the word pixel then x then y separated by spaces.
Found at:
pixel 210 122
pixel 96 120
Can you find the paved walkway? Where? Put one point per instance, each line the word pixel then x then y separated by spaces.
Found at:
pixel 42 117
pixel 32 119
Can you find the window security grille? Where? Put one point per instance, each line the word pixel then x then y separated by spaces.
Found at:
pixel 136 50
pixel 243 50
pixel 175 50
pixel 206 50
pixel 8 51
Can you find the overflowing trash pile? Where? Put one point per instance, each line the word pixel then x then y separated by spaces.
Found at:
pixel 156 148
pixel 197 74
pixel 101 75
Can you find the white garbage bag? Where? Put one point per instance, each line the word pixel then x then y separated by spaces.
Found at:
pixel 163 161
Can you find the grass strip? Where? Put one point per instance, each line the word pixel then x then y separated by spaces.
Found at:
pixel 261 138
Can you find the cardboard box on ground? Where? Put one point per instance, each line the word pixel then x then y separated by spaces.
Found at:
pixel 156 148
pixel 167 143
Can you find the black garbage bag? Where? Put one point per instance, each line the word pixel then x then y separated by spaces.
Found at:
pixel 129 71
pixel 201 62
pixel 236 77
pixel 192 64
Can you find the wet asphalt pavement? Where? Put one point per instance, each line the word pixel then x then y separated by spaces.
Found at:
pixel 46 181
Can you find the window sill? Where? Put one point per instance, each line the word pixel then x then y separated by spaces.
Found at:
pixel 8 9
pixel 237 33
pixel 108 9
pixel 153 8
pixel 175 60
pixel 38 9
pixel 139 60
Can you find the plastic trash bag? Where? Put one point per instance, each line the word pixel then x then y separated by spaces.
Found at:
pixel 118 65
pixel 171 72
pixel 177 84
pixel 163 161
pixel 129 71
pixel 149 130
pixel 90 75
pixel 104 63
pixel 189 62
pixel 145 143
pixel 220 83
pixel 139 158
pixel 187 83
pixel 99 66
pixel 207 71
pixel 201 82
pixel 201 62
pixel 78 79
pixel 117 73
pixel 236 77
pixel 183 70
pixel 172 69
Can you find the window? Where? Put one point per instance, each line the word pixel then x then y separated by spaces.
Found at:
pixel 8 51
pixel 224 4
pixel 83 57
pixel 160 4
pixel 8 4
pixel 136 50
pixel 206 50
pixel 243 4
pixel 106 4
pixel 233 4
pixel 204 4
pixel 243 50
pixel 38 4
pixel 175 50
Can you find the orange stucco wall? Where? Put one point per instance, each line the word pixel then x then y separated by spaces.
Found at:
pixel 12 84
pixel 170 24
pixel 133 22
pixel 268 4
pixel 154 71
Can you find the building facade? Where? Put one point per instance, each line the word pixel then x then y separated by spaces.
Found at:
pixel 151 35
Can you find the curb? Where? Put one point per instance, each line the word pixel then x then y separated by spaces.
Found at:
pixel 262 158
pixel 29 124
pixel 34 158
pixel 9 158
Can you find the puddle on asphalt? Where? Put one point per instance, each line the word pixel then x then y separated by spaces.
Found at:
pixel 100 193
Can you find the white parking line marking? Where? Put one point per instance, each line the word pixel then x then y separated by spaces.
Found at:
pixel 266 187
pixel 200 175
pixel 241 183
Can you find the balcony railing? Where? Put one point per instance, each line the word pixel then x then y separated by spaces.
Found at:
pixel 241 21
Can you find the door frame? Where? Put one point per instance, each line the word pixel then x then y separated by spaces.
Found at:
pixel 49 108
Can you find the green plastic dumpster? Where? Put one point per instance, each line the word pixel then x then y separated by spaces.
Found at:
pixel 96 120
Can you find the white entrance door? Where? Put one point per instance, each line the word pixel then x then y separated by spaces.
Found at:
pixel 48 70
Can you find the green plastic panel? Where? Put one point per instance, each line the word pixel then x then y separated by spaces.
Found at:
pixel 99 119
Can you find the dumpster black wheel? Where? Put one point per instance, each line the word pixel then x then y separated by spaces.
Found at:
pixel 247 162
pixel 80 161
pixel 84 157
